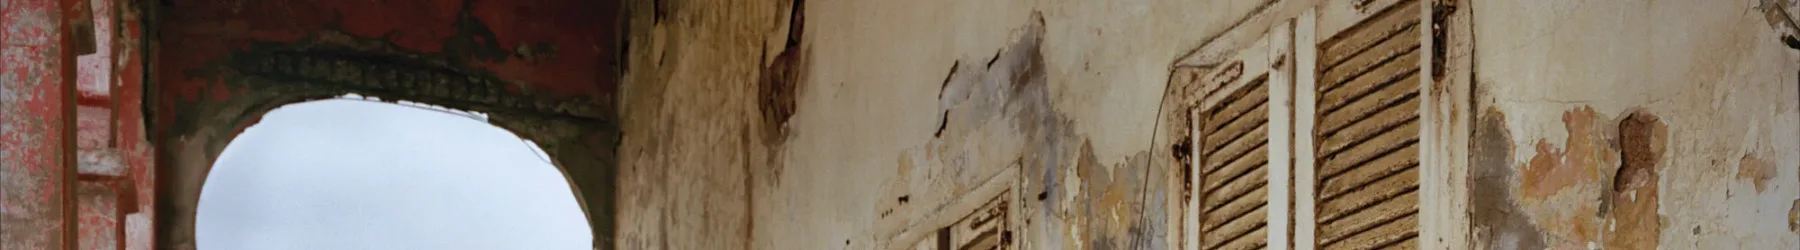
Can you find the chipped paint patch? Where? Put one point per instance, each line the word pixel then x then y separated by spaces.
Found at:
pixel 1586 150
pixel 1794 216
pixel 1756 171
pixel 1559 187
pixel 1113 200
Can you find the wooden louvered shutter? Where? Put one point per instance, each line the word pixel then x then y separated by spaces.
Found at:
pixel 1237 197
pixel 1359 143
pixel 1365 125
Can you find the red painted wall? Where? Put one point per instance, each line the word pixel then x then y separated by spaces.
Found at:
pixel 134 146
pixel 110 133
pixel 31 118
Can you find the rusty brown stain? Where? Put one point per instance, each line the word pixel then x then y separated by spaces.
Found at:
pixel 1642 140
pixel 1545 174
pixel 1757 171
pixel 1182 151
pixel 781 79
pixel 1553 170
pixel 1088 169
pixel 1493 210
pixel 1111 198
pixel 1440 23
pixel 1794 216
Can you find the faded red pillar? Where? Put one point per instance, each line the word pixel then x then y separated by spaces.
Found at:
pixel 36 167
pixel 114 156
pixel 130 53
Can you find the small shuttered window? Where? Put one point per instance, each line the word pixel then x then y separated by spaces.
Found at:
pixel 1326 152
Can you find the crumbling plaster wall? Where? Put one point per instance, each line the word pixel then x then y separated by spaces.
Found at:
pixel 688 132
pixel 902 111
pixel 1569 92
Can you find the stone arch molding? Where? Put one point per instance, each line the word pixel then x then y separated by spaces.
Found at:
pixel 575 132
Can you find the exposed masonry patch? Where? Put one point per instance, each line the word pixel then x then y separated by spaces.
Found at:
pixel 1600 188
pixel 1559 187
pixel 1552 170
pixel 1633 222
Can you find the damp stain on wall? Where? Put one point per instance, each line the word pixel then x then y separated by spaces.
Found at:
pixel 1498 220
pixel 1068 197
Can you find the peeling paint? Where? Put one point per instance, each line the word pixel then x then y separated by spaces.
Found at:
pixel 1562 189
pixel 1496 215
pixel 1114 205
pixel 1634 221
pixel 1794 216
pixel 1552 170
pixel 1756 171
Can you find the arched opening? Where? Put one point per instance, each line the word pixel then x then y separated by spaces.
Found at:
pixel 347 174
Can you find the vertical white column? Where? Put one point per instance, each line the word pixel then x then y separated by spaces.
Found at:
pixel 1280 131
pixel 1191 213
pixel 1444 141
pixel 1431 161
pixel 1306 54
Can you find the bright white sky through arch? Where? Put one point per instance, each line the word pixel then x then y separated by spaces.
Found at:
pixel 345 174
